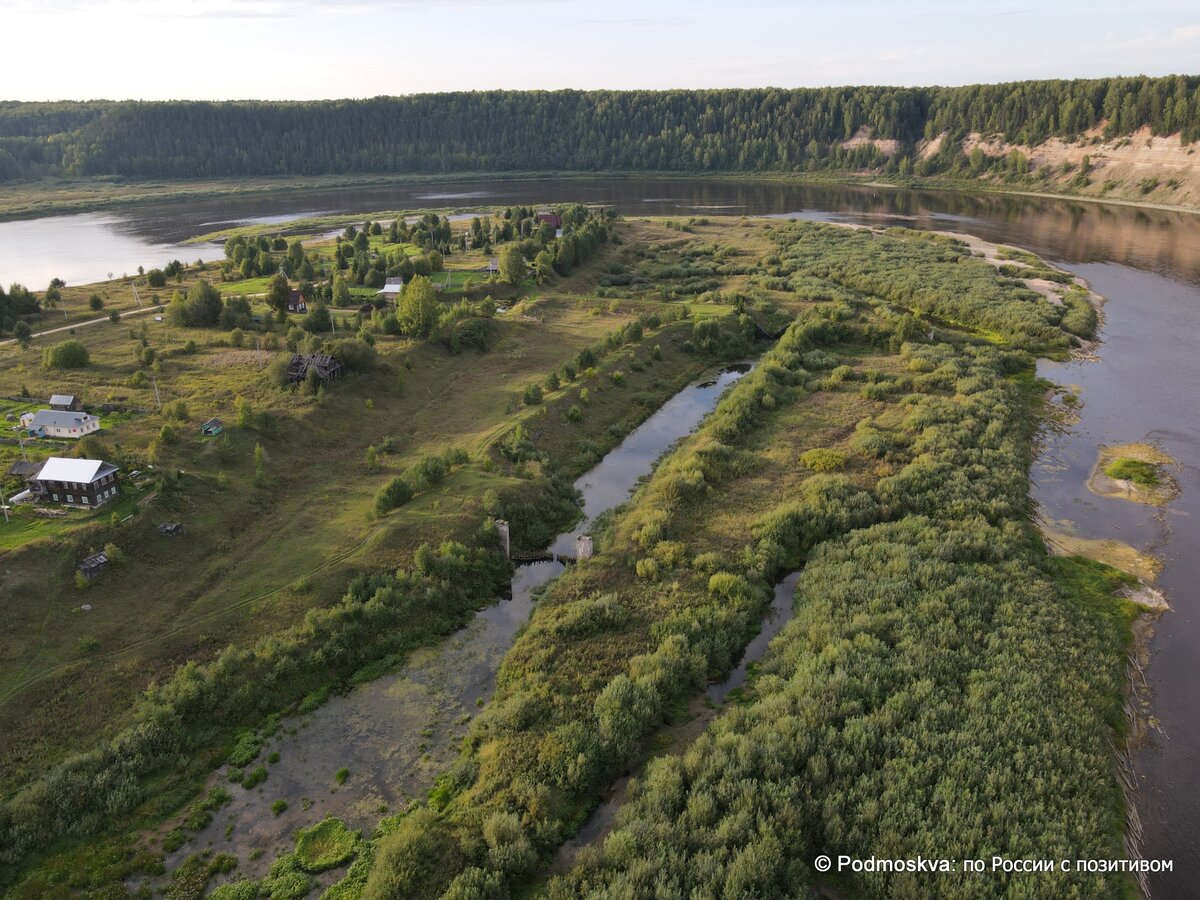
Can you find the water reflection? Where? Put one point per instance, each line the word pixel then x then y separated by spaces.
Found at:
pixel 86 247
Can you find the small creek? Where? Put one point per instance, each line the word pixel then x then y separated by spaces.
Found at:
pixel 397 733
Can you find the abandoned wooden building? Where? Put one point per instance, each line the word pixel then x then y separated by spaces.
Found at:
pixel 327 368
pixel 93 565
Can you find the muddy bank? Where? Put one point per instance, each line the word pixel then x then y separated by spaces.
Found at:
pixel 1103 483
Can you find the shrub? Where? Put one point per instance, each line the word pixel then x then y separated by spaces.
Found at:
pixel 395 493
pixel 574 413
pixel 255 777
pixel 823 460
pixel 279 807
pixel 245 750
pixel 66 355
pixel 647 569
pixel 533 395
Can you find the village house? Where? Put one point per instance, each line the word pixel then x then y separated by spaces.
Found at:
pixel 66 403
pixel 75 482
pixel 392 288
pixel 58 424
pixel 296 303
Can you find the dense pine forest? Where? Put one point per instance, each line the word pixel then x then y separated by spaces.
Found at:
pixel 688 131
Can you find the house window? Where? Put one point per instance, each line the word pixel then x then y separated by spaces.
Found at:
pixel 84 498
pixel 55 496
pixel 70 498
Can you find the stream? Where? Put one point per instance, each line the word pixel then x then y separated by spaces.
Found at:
pixel 395 734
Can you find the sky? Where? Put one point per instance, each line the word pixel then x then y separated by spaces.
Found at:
pixel 312 49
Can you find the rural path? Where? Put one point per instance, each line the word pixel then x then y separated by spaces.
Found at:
pixel 69 326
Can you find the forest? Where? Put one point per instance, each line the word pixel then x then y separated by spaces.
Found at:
pixel 758 130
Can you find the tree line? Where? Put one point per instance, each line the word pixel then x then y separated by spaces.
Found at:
pixel 764 129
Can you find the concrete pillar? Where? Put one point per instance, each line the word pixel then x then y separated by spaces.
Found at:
pixel 502 531
pixel 583 547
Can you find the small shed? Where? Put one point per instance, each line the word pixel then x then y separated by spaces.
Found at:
pixel 493 265
pixel 66 403
pixel 212 428
pixel 93 565
pixel 170 529
pixel 24 470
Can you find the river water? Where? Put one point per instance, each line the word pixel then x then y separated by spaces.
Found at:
pixel 1145 383
pixel 395 734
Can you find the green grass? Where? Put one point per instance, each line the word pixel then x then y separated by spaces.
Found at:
pixel 326 845
pixel 1139 472
pixel 26 527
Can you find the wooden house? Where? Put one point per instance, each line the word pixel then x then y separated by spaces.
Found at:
pixel 296 302
pixel 87 483
pixel 392 288
pixel 66 403
pixel 549 219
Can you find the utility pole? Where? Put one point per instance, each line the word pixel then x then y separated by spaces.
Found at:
pixel 157 398
pixel 21 442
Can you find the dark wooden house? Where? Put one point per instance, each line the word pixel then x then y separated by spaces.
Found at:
pixel 66 403
pixel 296 302
pixel 87 483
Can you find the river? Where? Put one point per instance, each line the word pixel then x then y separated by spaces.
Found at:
pixel 1143 384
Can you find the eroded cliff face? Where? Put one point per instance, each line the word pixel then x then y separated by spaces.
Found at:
pixel 1138 167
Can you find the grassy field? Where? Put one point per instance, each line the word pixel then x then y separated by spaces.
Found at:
pixel 258 552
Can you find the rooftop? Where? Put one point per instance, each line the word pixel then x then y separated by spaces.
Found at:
pixel 58 418
pixel 84 471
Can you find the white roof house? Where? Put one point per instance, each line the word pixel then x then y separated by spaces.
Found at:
pixel 81 471
pixel 84 483
pixel 60 423
pixel 392 288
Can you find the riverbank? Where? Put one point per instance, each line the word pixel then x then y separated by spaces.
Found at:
pixel 25 200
